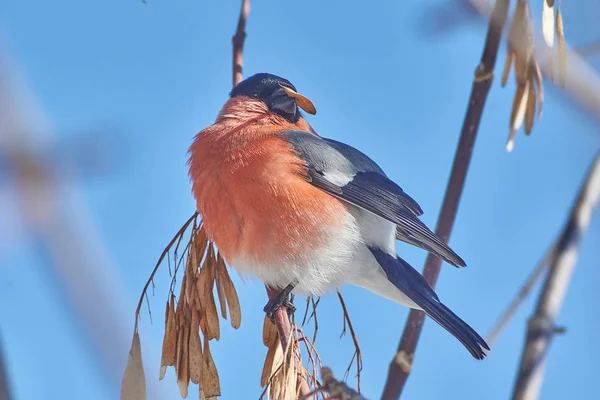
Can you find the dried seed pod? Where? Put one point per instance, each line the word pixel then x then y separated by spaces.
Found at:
pixel 537 75
pixel 219 285
pixel 268 366
pixel 169 347
pixel 506 71
pixel 183 366
pixel 133 386
pixel 270 334
pixel 195 350
pixel 210 377
pixel 548 22
pixel 235 313
pixel 561 50
pixel 530 108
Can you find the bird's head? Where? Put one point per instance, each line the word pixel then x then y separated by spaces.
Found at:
pixel 269 96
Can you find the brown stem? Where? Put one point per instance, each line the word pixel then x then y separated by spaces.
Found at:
pixel 541 327
pixel 484 75
pixel 284 328
pixel 521 296
pixel 238 43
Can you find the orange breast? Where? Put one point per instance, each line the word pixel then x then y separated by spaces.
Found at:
pixel 254 200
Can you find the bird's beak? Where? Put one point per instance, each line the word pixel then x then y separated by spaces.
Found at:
pixel 302 101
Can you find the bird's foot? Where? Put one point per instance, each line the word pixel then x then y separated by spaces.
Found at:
pixel 281 300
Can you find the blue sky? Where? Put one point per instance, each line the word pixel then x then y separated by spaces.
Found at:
pixel 383 81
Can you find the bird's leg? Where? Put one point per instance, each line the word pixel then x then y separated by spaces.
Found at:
pixel 280 300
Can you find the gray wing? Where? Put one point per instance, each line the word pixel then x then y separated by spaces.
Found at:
pixel 350 175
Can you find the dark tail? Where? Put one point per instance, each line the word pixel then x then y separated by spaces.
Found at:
pixel 413 285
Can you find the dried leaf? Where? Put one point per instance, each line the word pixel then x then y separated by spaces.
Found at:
pixel 190 287
pixel 521 68
pixel 235 313
pixel 537 75
pixel 212 319
pixel 518 108
pixel 133 386
pixel 183 361
pixel 210 377
pixel 195 350
pixel 548 22
pixel 182 290
pixel 515 32
pixel 204 285
pixel 530 108
pixel 269 332
pixel 506 72
pixel 169 347
pixel 517 114
pixel 268 366
pixel 219 284
pixel 284 374
pixel 561 50
pixel 200 244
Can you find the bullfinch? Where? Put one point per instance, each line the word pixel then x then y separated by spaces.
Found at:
pixel 306 214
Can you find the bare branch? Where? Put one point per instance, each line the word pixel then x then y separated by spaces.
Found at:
pixel 5 392
pixel 484 75
pixel 336 389
pixel 510 311
pixel 284 328
pixel 541 327
pixel 238 43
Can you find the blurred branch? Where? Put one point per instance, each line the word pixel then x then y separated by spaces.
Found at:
pixel 541 326
pixel 589 50
pixel 5 393
pixel 484 75
pixel 511 310
pixel 334 388
pixel 65 239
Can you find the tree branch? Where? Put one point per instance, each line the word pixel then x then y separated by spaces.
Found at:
pixel 284 329
pixel 5 393
pixel 238 43
pixel 511 310
pixel 541 327
pixel 484 75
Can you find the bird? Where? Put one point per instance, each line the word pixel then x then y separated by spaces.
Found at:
pixel 306 214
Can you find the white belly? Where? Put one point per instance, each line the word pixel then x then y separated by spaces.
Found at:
pixel 343 257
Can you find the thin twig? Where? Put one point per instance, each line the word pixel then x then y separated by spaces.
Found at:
pixel 511 310
pixel 357 352
pixel 238 43
pixel 541 327
pixel 484 75
pixel 160 260
pixel 336 389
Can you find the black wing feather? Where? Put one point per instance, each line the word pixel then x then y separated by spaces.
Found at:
pixel 367 188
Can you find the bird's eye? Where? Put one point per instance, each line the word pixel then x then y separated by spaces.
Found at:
pixel 255 95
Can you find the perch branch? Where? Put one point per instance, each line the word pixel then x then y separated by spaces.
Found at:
pixel 284 329
pixel 511 310
pixel 484 75
pixel 541 326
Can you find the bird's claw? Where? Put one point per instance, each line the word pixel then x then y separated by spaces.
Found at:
pixel 281 300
